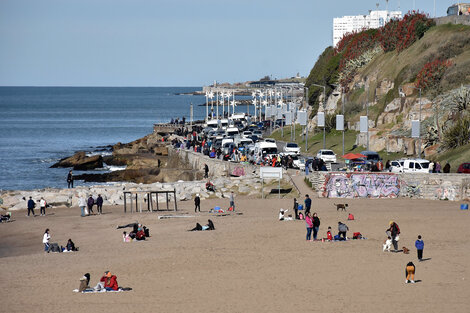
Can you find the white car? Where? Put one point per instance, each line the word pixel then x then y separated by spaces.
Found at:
pixel 327 155
pixel 247 134
pixel 396 166
pixel 270 140
pixel 292 147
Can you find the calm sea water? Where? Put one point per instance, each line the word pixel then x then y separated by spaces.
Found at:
pixel 40 125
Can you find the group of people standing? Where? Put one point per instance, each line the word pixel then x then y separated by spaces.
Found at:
pixel 42 206
pixel 86 206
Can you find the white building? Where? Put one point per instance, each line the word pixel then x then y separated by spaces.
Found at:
pixel 349 24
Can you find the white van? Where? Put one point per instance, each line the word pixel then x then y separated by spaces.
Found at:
pixel 264 148
pixel 415 166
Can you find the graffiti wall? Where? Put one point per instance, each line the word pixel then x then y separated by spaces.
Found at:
pixel 361 185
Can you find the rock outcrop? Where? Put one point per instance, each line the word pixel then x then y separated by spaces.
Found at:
pixel 79 161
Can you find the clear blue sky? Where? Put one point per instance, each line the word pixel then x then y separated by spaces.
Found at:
pixel 169 42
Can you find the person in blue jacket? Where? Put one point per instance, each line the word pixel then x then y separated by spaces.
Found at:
pixel 308 204
pixel 419 244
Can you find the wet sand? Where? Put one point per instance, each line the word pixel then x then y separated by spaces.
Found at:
pixel 250 263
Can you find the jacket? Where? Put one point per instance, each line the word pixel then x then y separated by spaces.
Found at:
pixel 309 222
pixel 197 200
pixel 316 221
pixel 419 244
pixel 308 203
pixel 110 282
pixel 81 201
pixel 91 201
pixel 45 238
pixel 343 227
pixel 31 204
pixel 42 203
pixel 99 201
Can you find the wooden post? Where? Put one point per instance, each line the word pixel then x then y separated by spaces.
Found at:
pixel 125 209
pixel 174 198
pixel 167 207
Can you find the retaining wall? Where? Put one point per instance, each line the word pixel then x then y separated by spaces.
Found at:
pixel 217 167
pixel 454 187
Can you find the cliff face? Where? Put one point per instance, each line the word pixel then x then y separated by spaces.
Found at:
pixel 386 84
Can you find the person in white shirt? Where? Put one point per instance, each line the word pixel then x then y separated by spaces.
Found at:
pixel 42 205
pixel 82 204
pixel 45 240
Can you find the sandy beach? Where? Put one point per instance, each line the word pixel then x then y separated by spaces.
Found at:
pixel 251 263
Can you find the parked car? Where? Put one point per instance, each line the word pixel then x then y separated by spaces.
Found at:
pixel 372 157
pixel 258 133
pixel 247 133
pixel 464 168
pixel 270 140
pixel 396 166
pixel 416 166
pixel 292 147
pixel 326 155
pixel 298 163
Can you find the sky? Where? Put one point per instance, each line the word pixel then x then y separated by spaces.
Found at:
pixel 170 42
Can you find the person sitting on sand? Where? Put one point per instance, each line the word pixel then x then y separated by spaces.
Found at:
pixel 329 236
pixel 140 234
pixel 84 282
pixel 126 237
pixel 70 246
pixel 209 226
pixel 210 186
pixel 108 282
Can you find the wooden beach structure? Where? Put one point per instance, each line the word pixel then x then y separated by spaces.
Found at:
pixel 148 197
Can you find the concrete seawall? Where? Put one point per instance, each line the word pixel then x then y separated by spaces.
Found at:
pixel 454 187
pixel 217 168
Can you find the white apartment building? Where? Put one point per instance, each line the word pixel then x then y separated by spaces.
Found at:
pixel 348 24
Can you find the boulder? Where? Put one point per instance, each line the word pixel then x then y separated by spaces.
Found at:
pixel 79 161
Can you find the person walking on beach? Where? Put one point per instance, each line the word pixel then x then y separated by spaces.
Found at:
pixel 90 204
pixel 82 204
pixel 309 225
pixel 296 209
pixel 206 171
pixel 197 203
pixel 232 201
pixel 31 205
pixel 393 231
pixel 70 179
pixel 45 240
pixel 99 204
pixel 308 204
pixel 316 225
pixel 419 244
pixel 42 206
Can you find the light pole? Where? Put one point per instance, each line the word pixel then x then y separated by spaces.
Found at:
pixel 342 108
pixel 419 119
pixel 324 112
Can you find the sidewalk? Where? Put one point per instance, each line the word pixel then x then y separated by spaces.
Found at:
pixel 298 180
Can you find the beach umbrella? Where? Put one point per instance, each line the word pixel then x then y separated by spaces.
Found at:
pixel 349 156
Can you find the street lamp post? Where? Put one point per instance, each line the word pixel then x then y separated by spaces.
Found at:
pixel 419 119
pixel 342 108
pixel 324 112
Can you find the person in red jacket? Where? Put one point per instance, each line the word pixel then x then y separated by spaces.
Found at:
pixel 108 282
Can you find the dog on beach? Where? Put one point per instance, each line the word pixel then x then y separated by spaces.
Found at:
pixel 387 244
pixel 342 206
pixel 406 250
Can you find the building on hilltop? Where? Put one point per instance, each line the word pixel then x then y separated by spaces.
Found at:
pixel 459 9
pixel 348 24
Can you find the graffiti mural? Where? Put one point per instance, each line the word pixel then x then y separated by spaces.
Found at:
pixel 361 185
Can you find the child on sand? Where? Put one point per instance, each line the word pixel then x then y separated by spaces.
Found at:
pixel 419 244
pixel 126 237
pixel 329 236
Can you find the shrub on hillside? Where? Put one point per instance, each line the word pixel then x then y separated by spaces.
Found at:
pixel 400 34
pixel 431 73
pixel 458 135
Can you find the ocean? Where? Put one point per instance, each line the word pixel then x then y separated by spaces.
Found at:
pixel 41 125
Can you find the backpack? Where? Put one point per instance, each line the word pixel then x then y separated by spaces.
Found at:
pixel 55 247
